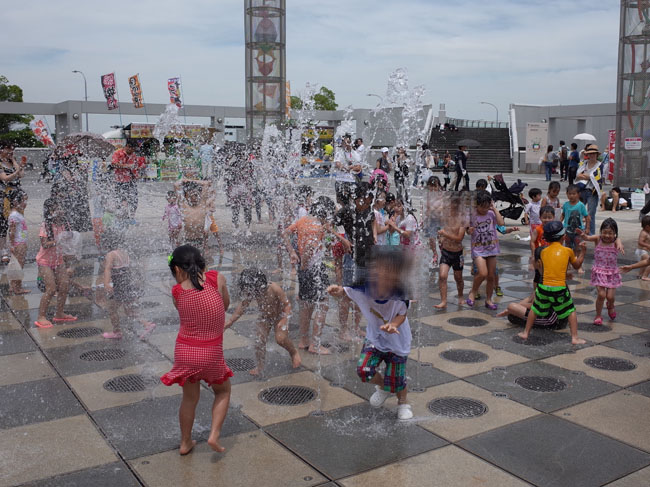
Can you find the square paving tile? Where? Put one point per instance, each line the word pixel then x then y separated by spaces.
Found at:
pixel 542 386
pixel 151 426
pixel 42 450
pixel 110 475
pixel 466 323
pixel 15 342
pixel 638 344
pixel 638 369
pixel 351 440
pixel 427 335
pixel 622 415
pixel 628 293
pixel 641 477
pixel 250 459
pixel 642 388
pixel 64 335
pixel 36 401
pixel 630 314
pixel 24 367
pixel 609 330
pixel 84 314
pixel 466 357
pixel 552 452
pixel 8 322
pixel 443 467
pixel 33 300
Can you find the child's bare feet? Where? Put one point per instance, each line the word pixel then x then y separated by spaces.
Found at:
pixel 319 350
pixel 276 271
pixel 303 344
pixel 186 448
pixel 581 271
pixel 645 278
pixel 214 444
pixel 296 360
pixel 256 371
pixel 501 314
pixel 577 341
pixel 20 291
pixel 523 336
pixel 441 305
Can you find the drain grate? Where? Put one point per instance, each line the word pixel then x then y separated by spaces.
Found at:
pixel 240 364
pixel 287 395
pixel 102 355
pixel 540 384
pixel 131 383
pixel 468 322
pixel 462 356
pixel 82 332
pixel 610 363
pixel 457 407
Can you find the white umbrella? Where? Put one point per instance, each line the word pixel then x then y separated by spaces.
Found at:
pixel 585 136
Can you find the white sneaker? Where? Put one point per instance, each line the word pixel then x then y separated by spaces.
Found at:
pixel 404 412
pixel 378 397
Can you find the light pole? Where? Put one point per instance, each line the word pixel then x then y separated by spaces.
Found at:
pixel 495 107
pixel 85 95
pixel 381 100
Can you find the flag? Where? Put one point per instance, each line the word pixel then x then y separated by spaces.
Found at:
pixel 110 90
pixel 174 88
pixel 41 132
pixel 287 97
pixel 136 91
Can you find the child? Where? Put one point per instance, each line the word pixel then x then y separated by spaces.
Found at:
pixel 405 224
pixel 553 295
pixel 552 200
pixel 643 247
pixel 274 310
pixel 485 247
pixel 17 240
pixel 532 208
pixel 125 290
pixel 195 204
pixel 380 228
pixel 432 214
pixel 546 214
pixel 605 274
pixel 202 299
pixel 451 252
pixel 174 219
pixel 51 267
pixel 576 219
pixel 388 336
pixel 305 194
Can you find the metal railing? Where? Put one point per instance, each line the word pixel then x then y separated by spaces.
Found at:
pixel 485 124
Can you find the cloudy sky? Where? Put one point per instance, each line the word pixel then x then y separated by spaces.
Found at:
pixel 462 51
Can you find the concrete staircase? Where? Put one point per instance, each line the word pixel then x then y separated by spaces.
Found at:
pixel 492 157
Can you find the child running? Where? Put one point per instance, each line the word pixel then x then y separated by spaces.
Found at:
pixel 202 299
pixel 451 252
pixel 17 240
pixel 643 247
pixel 275 311
pixel 388 336
pixel 174 219
pixel 605 274
pixel 553 295
pixel 552 200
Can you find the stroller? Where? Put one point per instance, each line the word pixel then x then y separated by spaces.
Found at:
pixel 511 195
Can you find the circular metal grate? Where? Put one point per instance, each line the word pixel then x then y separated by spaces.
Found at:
pixel 540 384
pixel 464 356
pixel 610 363
pixel 240 364
pixel 82 332
pixel 468 322
pixel 131 383
pixel 287 395
pixel 457 407
pixel 102 355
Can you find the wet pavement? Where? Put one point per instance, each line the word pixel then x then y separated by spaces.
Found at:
pixel 78 410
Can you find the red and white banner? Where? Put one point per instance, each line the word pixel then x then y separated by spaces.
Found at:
pixel 174 88
pixel 40 131
pixel 110 90
pixel 136 91
pixel 611 152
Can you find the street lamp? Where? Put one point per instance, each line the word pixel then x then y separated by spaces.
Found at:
pixel 85 96
pixel 381 100
pixel 495 107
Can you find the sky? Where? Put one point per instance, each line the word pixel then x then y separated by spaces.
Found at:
pixel 539 52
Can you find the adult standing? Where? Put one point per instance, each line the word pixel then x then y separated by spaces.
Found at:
pixel 589 179
pixel 574 162
pixel 423 162
pixel 401 162
pixel 10 174
pixel 564 161
pixel 207 156
pixel 547 160
pixel 348 170
pixel 460 160
pixel 127 164
pixel 383 162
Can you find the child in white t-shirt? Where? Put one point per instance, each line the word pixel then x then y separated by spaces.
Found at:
pixel 532 208
pixel 17 242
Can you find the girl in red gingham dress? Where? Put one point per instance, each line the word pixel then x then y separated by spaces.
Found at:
pixel 201 299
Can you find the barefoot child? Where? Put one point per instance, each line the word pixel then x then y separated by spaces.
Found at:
pixel 388 336
pixel 432 213
pixel 17 240
pixel 546 215
pixel 576 219
pixel 553 295
pixel 532 209
pixel 643 247
pixel 551 199
pixel 451 252
pixel 274 310
pixel 202 299
pixel 174 219
pixel 195 204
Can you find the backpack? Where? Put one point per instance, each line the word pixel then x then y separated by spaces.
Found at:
pixel 563 154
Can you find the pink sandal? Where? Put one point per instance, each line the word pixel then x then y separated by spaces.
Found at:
pixel 598 321
pixel 611 311
pixel 111 335
pixel 43 325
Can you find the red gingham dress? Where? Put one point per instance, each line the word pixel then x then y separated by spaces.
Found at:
pixel 199 346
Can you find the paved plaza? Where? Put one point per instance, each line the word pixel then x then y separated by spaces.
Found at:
pixel 490 410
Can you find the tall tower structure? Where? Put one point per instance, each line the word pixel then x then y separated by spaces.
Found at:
pixel 632 95
pixel 265 30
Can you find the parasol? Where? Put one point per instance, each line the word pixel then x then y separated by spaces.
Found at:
pixel 471 143
pixel 87 144
pixel 585 136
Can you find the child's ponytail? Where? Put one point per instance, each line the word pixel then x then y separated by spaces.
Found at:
pixel 190 260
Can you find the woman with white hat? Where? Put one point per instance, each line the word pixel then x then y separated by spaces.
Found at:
pixel 590 181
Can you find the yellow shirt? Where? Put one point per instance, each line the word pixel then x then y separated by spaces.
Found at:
pixel 555 259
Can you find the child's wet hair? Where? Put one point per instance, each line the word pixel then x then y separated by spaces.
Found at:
pixel 191 188
pixel 363 190
pixel 390 197
pixel 534 192
pixel 434 181
pixel 645 221
pixel 252 281
pixel 554 185
pixel 190 260
pixel 611 224
pixel 481 184
pixel 323 208
pixel 171 194
pixel 483 198
pixel 572 187
pixel 17 197
pixel 547 209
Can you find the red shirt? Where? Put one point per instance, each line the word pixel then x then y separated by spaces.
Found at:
pixel 127 174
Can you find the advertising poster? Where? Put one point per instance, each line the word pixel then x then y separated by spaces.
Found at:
pixel 40 131
pixel 611 152
pixel 536 141
pixel 110 90
pixel 174 88
pixel 136 91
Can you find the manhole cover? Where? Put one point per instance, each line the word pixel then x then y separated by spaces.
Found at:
pixel 469 322
pixel 287 395
pixel 240 364
pixel 520 289
pixel 464 356
pixel 540 384
pixel 457 407
pixel 590 327
pixel 533 340
pixel 580 301
pixel 82 332
pixel 102 355
pixel 610 363
pixel 130 383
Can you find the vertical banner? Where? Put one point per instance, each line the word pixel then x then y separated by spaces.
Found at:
pixel 41 132
pixel 174 88
pixel 136 91
pixel 287 108
pixel 536 141
pixel 110 90
pixel 611 152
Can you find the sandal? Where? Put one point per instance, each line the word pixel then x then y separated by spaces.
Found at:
pixel 469 302
pixel 598 321
pixel 111 335
pixel 43 325
pixel 611 311
pixel 492 306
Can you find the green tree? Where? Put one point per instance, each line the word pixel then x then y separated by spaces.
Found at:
pixel 325 99
pixel 296 103
pixel 11 93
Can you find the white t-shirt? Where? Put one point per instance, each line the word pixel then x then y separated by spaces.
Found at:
pixel 532 210
pixel 378 313
pixel 380 219
pixel 347 159
pixel 409 224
